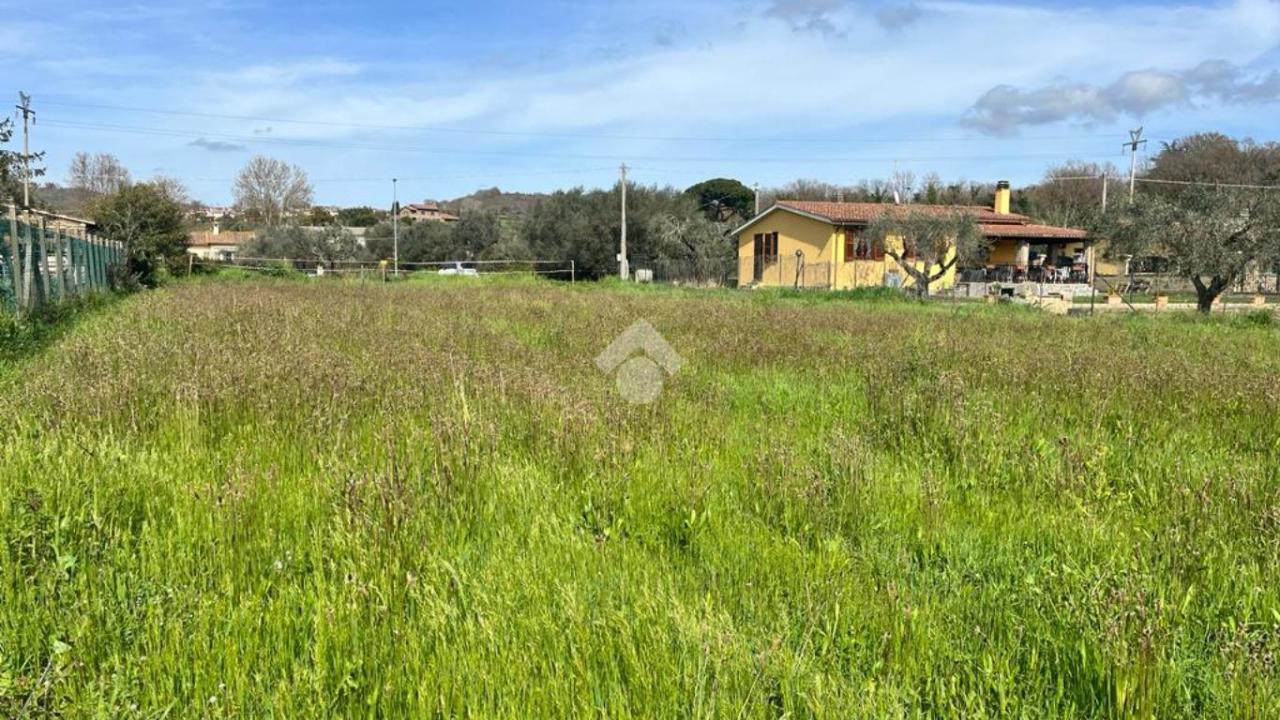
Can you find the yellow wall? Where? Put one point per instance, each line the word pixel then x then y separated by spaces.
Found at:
pixel 823 245
pixel 1003 252
pixel 816 239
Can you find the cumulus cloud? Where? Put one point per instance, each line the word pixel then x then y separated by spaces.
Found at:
pixel 1004 109
pixel 216 145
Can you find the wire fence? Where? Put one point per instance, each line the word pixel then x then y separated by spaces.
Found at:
pixel 388 270
pixel 40 264
pixel 694 272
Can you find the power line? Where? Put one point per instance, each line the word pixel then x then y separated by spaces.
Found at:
pixel 1204 183
pixel 196 135
pixel 565 135
pixel 1197 183
pixel 433 178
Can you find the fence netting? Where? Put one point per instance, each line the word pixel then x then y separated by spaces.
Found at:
pixel 41 264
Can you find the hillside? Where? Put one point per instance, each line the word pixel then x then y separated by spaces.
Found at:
pixel 493 200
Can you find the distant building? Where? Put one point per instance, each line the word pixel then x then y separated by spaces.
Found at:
pixel 62 223
pixel 212 212
pixel 426 210
pixel 219 244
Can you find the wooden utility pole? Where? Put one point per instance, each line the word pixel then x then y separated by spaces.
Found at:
pixel 622 254
pixel 28 119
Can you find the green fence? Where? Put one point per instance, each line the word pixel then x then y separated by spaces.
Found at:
pixel 40 264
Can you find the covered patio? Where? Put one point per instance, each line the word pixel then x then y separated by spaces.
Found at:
pixel 1029 253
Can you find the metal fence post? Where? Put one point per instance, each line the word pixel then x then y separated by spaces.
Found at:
pixel 27 270
pixel 15 256
pixel 41 267
pixel 58 247
pixel 75 268
pixel 91 261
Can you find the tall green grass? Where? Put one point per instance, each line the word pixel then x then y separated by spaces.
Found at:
pixel 278 498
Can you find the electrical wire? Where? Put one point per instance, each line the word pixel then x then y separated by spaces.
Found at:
pixel 197 135
pixel 565 135
pixel 1195 183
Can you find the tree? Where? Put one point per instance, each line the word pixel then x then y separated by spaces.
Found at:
pixel 584 227
pixel 102 173
pixel 269 190
pixel 721 199
pixel 426 241
pixel 323 246
pixel 1070 194
pixel 171 188
pixel 934 191
pixel 1211 236
pixel 1213 158
pixel 927 244
pixel 12 166
pixel 359 217
pixel 149 223
pixel 474 233
pixel 692 245
pixel 319 216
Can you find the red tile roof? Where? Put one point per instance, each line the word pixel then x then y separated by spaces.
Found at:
pixel 993 224
pixel 866 212
pixel 1030 230
pixel 226 237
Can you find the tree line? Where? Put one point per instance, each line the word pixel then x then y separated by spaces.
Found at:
pixel 1201 205
pixel 579 224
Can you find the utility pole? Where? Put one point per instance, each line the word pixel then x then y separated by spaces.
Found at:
pixel 395 227
pixel 622 255
pixel 28 119
pixel 1135 139
pixel 1105 180
pixel 756 188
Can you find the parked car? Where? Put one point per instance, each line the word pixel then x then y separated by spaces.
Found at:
pixel 457 269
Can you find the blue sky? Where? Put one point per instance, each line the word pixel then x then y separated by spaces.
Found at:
pixel 451 97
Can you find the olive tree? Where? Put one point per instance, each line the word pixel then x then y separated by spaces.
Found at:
pixel 1211 236
pixel 927 244
pixel 323 246
pixel 1203 209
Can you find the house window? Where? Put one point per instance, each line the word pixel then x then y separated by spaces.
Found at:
pixel 765 244
pixel 857 247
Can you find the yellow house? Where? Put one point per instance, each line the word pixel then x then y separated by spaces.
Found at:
pixel 799 243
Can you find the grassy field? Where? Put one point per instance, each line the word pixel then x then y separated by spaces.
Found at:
pixel 292 499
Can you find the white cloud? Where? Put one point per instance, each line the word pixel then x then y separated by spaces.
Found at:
pixel 762 75
pixel 1005 109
